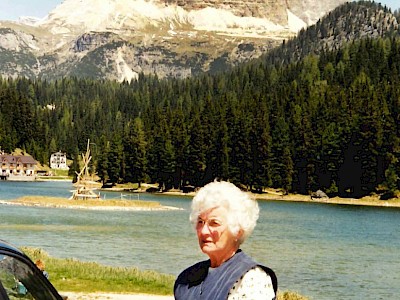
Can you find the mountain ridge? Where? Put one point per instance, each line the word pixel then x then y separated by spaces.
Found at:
pixel 349 22
pixel 119 39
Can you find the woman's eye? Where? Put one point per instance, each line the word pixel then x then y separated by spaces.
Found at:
pixel 213 223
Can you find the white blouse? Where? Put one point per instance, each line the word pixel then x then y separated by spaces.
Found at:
pixel 254 285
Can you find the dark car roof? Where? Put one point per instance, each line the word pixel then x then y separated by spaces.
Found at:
pixel 37 283
pixel 7 246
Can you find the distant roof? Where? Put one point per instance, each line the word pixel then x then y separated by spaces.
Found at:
pixel 59 152
pixel 24 159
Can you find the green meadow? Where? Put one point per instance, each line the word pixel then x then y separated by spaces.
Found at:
pixel 89 277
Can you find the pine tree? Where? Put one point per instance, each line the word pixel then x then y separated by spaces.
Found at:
pixel 114 165
pixel 195 164
pixel 135 149
pixel 261 143
pixel 102 159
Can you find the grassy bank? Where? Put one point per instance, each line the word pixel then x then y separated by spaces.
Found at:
pixel 76 276
pixel 87 277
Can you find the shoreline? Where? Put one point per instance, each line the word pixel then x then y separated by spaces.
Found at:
pixel 365 201
pixel 269 195
pixel 103 208
pixel 273 196
pixel 82 204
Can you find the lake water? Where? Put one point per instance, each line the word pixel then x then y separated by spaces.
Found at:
pixel 321 251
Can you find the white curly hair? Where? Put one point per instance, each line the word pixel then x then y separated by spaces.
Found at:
pixel 242 210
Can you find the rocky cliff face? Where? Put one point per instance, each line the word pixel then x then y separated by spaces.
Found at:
pixel 309 10
pixel 118 39
pixel 274 10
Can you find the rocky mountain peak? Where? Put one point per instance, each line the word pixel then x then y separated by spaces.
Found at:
pixel 235 17
pixel 117 39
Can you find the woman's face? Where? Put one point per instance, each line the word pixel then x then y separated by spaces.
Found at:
pixel 215 238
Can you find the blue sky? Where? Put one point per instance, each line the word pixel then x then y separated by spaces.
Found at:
pixel 13 9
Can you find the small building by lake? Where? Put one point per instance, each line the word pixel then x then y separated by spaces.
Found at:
pixel 17 167
pixel 58 161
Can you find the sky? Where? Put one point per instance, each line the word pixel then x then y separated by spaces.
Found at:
pixel 13 9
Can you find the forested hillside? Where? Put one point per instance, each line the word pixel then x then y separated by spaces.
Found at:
pixel 349 22
pixel 328 121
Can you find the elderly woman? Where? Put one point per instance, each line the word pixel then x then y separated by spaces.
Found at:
pixel 224 217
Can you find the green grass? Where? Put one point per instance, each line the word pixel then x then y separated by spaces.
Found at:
pixel 75 276
pixel 62 173
pixel 71 275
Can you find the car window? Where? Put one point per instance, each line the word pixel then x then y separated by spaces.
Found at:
pixel 20 281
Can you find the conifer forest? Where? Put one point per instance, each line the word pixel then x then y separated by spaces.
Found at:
pixel 329 121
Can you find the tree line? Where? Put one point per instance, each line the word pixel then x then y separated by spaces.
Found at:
pixel 328 122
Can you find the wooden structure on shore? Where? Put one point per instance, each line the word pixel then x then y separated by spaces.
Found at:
pixel 85 186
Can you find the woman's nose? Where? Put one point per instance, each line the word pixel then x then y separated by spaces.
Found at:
pixel 205 229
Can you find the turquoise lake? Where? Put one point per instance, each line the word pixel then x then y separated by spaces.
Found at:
pixel 318 250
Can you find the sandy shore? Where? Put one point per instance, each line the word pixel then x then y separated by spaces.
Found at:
pixel 110 296
pixel 89 204
pixel 366 201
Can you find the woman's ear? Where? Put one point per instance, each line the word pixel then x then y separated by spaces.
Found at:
pixel 239 234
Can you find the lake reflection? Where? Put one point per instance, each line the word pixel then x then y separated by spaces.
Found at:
pixel 321 251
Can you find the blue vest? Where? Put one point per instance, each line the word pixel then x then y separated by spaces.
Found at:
pixel 198 282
